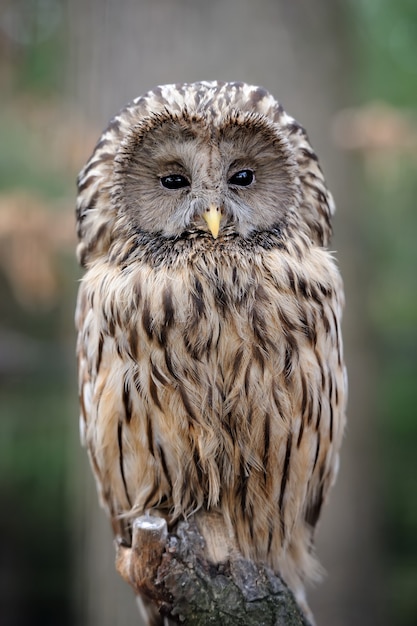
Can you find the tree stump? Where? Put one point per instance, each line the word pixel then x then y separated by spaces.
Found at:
pixel 195 576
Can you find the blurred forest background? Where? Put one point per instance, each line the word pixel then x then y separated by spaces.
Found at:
pixel 348 72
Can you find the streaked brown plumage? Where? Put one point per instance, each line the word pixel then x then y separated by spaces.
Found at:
pixel 210 366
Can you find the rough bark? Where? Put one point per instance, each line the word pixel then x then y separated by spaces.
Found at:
pixel 174 572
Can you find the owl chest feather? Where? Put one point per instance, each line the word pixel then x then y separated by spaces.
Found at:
pixel 219 381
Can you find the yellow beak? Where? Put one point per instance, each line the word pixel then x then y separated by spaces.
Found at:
pixel 213 217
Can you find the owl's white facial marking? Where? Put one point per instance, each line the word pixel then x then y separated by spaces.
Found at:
pixel 172 168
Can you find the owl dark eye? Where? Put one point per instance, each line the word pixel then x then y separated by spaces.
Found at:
pixel 243 178
pixel 174 181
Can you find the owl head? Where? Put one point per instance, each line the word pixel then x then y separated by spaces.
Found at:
pixel 208 159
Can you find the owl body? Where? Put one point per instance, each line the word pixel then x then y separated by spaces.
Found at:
pixel 210 356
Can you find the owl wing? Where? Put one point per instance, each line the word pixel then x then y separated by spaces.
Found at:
pixel 134 410
pixel 102 437
pixel 322 403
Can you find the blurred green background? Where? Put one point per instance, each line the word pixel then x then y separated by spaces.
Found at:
pixel 58 86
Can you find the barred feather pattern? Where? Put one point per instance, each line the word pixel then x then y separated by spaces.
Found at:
pixel 211 369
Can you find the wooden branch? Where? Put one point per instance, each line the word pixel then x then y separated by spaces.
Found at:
pixel 176 572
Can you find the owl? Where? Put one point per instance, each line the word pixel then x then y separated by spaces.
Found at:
pixel 211 373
